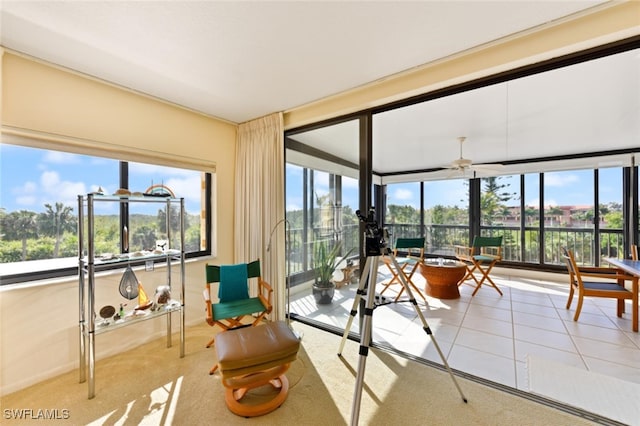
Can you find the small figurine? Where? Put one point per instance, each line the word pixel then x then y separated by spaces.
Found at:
pixel 163 295
pixel 143 300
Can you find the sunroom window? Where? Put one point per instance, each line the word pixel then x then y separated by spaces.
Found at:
pixel 39 191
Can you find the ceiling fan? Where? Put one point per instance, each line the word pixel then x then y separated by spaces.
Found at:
pixel 465 165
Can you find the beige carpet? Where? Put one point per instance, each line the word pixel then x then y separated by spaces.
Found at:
pixel 151 385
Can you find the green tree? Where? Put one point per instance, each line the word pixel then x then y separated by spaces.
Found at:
pixel 554 213
pixel 3 215
pixel 583 217
pixel 531 215
pixel 54 223
pixel 493 198
pixel 21 225
pixel 402 214
pixel 613 220
pixel 174 223
pixel 447 215
pixel 144 238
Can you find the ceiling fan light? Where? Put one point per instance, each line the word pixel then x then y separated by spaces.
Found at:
pixel 462 163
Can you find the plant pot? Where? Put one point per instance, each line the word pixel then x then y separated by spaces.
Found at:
pixel 323 294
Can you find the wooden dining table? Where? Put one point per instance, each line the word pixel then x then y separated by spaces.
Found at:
pixel 631 267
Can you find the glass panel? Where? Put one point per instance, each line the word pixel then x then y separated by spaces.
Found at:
pixel 402 218
pixel 610 211
pixel 295 202
pixel 568 215
pixel 38 209
pixel 532 218
pixel 350 222
pixel 180 183
pixel 324 206
pixel 500 212
pixel 446 215
pixel 322 195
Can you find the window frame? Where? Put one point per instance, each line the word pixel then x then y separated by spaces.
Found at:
pixel 72 271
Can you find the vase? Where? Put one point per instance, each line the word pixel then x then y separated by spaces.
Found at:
pixel 323 294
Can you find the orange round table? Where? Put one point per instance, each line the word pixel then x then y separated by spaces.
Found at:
pixel 442 278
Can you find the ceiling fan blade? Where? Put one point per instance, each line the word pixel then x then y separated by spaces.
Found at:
pixel 488 167
pixel 465 168
pixel 487 170
pixel 453 172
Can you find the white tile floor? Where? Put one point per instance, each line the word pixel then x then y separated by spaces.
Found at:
pixel 490 336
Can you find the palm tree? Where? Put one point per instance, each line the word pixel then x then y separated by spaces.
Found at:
pixel 174 223
pixel 20 225
pixel 56 223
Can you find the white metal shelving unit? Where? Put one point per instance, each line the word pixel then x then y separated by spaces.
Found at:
pixel 89 264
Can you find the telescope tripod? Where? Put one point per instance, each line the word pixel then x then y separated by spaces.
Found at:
pixel 369 274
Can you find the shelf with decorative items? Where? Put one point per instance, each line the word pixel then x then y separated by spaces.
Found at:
pixel 169 252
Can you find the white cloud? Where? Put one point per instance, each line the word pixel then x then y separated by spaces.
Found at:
pixel 49 179
pixel 58 157
pixel 403 194
pixel 321 181
pixel 26 188
pixel 188 188
pixel 26 200
pixel 53 190
pixel 25 195
pixel 560 179
pixel 350 183
pixel 535 203
pixel 293 207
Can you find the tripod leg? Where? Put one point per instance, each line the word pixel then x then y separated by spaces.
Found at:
pixel 365 338
pixel 354 309
pixel 427 329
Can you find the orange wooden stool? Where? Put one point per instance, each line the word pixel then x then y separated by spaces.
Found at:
pixel 252 357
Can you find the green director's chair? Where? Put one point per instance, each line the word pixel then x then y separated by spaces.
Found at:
pixel 411 252
pixel 482 256
pixel 234 302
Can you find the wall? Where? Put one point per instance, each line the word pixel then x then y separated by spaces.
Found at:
pixel 38 320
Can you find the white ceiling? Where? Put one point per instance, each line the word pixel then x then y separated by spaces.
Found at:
pixel 589 107
pixel 239 60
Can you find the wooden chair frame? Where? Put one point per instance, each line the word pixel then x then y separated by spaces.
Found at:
pixel 414 248
pixel 232 314
pixel 482 256
pixel 600 288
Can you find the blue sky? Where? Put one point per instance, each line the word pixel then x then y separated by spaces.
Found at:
pixel 573 187
pixel 29 178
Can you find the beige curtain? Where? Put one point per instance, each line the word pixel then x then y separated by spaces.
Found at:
pixel 259 205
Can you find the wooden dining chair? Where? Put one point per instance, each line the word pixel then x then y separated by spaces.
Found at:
pixel 596 288
pixel 634 252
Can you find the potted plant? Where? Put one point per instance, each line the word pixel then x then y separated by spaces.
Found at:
pixel 325 262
